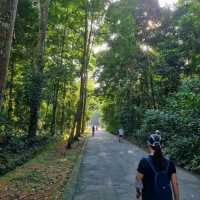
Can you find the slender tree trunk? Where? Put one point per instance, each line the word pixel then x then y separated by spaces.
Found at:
pixel 38 68
pixel 8 10
pixel 84 75
pixel 62 47
pixel 151 84
pixel 83 79
pixel 55 103
pixel 46 115
pixel 71 135
pixel 34 106
pixel 62 121
pixel 88 53
pixel 84 110
pixel 80 114
pixel 145 95
pixel 10 101
pixel 152 92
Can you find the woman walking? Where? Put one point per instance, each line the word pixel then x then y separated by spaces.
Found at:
pixel 156 178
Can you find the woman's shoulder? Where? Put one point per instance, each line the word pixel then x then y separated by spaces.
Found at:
pixel 142 165
pixel 169 160
pixel 145 159
pixel 171 165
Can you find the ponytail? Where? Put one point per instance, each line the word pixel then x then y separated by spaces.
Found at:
pixel 158 157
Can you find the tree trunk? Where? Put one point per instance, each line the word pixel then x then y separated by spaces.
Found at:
pixel 55 103
pixel 80 114
pixel 71 135
pixel 89 18
pixel 34 105
pixel 62 120
pixel 88 53
pixel 152 92
pixel 83 79
pixel 151 84
pixel 10 101
pixel 84 111
pixel 38 68
pixel 8 10
pixel 46 115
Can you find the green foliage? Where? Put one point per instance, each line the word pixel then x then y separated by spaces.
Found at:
pixel 15 151
pixel 150 74
pixel 179 125
pixel 185 149
pixel 126 116
pixel 43 95
pixel 109 118
pixel 148 77
pixel 153 120
pixel 44 176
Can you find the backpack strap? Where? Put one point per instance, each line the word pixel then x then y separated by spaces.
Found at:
pixel 168 164
pixel 151 164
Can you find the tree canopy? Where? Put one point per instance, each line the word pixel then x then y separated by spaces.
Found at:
pixel 149 74
pixel 135 62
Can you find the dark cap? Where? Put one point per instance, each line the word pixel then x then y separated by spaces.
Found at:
pixel 154 139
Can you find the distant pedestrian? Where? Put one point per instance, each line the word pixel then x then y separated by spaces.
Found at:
pixel 93 130
pixel 156 178
pixel 121 134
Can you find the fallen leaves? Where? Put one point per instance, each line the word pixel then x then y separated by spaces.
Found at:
pixel 43 177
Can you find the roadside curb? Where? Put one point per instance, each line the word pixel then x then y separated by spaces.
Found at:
pixel 70 188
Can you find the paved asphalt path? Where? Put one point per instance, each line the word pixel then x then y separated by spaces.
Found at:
pixel 108 170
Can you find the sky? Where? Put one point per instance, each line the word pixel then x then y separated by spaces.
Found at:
pixel 164 3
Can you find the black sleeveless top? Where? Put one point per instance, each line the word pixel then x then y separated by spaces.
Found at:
pixel 148 180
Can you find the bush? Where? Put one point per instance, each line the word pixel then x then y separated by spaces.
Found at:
pixel 15 151
pixel 180 136
pixel 195 163
pixel 166 122
pixel 185 150
pixel 178 121
pixel 125 116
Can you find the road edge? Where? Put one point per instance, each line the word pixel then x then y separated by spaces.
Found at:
pixel 70 188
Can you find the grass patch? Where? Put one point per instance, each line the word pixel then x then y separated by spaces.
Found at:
pixel 15 151
pixel 42 177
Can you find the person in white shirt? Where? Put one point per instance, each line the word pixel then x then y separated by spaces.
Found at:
pixel 121 134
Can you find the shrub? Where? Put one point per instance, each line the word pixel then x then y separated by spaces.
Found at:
pixel 180 135
pixel 166 122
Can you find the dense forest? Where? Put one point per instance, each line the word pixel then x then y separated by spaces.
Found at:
pixel 46 64
pixel 134 60
pixel 149 75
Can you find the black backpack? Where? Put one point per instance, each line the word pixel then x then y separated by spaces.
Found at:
pixel 162 186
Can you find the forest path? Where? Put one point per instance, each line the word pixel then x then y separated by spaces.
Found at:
pixel 108 170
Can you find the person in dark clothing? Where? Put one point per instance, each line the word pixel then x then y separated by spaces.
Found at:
pixel 93 130
pixel 150 167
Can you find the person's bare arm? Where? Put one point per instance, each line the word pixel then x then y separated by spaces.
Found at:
pixel 139 185
pixel 175 186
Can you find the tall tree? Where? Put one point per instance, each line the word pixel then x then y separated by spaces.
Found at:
pixel 8 9
pixel 38 68
pixel 83 73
